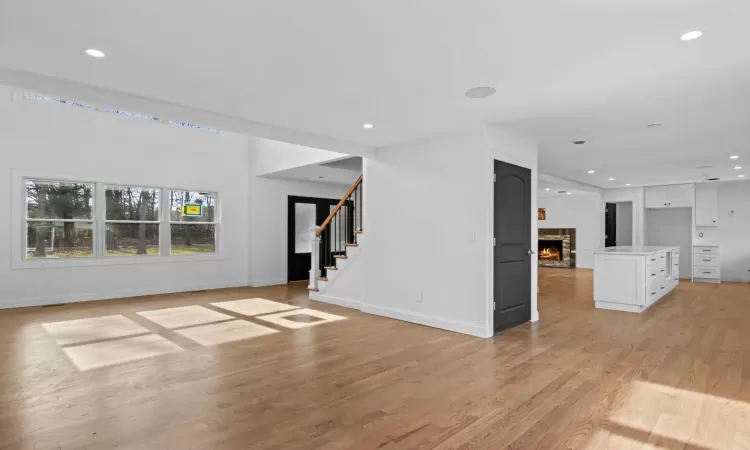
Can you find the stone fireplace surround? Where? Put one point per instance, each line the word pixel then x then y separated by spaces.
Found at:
pixel 567 236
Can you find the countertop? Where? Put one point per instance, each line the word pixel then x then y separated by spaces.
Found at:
pixel 633 251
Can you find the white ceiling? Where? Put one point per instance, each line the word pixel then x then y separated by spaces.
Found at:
pixel 593 69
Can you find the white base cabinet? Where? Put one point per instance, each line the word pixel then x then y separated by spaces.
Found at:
pixel 633 278
pixel 707 264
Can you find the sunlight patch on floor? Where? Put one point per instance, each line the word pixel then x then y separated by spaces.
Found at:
pixel 659 416
pixel 221 333
pixel 183 316
pixel 98 342
pixel 119 351
pixel 295 319
pixel 254 306
pixel 93 329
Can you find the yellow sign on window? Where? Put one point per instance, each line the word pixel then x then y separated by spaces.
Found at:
pixel 191 210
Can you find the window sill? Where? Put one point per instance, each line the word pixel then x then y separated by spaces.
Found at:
pixel 112 261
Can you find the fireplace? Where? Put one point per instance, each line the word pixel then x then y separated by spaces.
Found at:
pixel 551 249
pixel 557 247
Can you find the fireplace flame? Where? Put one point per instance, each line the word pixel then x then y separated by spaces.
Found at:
pixel 549 253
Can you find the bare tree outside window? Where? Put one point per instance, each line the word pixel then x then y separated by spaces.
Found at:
pixel 132 226
pixel 59 219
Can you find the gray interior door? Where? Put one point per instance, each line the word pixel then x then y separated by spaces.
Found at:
pixel 512 256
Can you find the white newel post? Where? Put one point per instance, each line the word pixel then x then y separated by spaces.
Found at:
pixel 315 255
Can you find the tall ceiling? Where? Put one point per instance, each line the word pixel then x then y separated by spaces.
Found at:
pixel 576 69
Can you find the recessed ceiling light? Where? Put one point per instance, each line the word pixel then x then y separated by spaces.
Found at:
pixel 627 184
pixel 481 92
pixel 692 35
pixel 737 167
pixel 592 171
pixel 741 176
pixel 611 179
pixel 734 157
pixel 95 53
pixel 567 193
pixel 547 189
pixel 654 125
pixel 368 125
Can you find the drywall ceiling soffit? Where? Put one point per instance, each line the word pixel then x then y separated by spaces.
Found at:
pixel 552 181
pixel 24 81
pixel 318 173
pixel 351 164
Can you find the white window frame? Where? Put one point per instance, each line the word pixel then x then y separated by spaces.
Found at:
pixel 169 221
pixel 26 219
pixel 105 221
pixel 19 259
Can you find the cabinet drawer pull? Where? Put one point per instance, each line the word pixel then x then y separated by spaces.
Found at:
pixel 707 272
pixel 653 274
pixel 663 270
pixel 662 289
pixel 653 260
pixel 653 293
pixel 706 250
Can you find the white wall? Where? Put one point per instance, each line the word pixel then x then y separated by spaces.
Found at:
pixel 53 139
pixel 624 223
pixel 733 234
pixel 268 229
pixel 441 278
pixel 582 211
pixel 672 227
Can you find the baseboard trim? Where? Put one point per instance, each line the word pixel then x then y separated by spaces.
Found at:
pixel 264 283
pixel 123 293
pixel 427 320
pixel 346 303
pixel 619 307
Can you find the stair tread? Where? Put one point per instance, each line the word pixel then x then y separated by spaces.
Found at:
pixel 341 257
pixel 323 278
pixel 313 289
pixel 359 232
pixel 351 245
pixel 331 268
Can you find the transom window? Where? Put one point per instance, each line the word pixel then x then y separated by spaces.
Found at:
pixel 67 219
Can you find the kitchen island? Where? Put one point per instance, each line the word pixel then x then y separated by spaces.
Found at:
pixel 633 278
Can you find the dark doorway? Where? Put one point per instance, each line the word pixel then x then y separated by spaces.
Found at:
pixel 610 225
pixel 512 255
pixel 303 213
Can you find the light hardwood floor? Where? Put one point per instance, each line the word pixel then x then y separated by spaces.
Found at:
pixel 676 376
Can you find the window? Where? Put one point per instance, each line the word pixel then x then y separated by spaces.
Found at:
pixel 59 219
pixel 132 221
pixel 192 222
pixel 119 112
pixel 110 223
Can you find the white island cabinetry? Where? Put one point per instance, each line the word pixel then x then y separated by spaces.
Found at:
pixel 633 278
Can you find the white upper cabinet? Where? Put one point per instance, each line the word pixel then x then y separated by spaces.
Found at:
pixel 678 196
pixel 706 205
pixel 656 198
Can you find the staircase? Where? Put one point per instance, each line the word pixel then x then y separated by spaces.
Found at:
pixel 337 240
